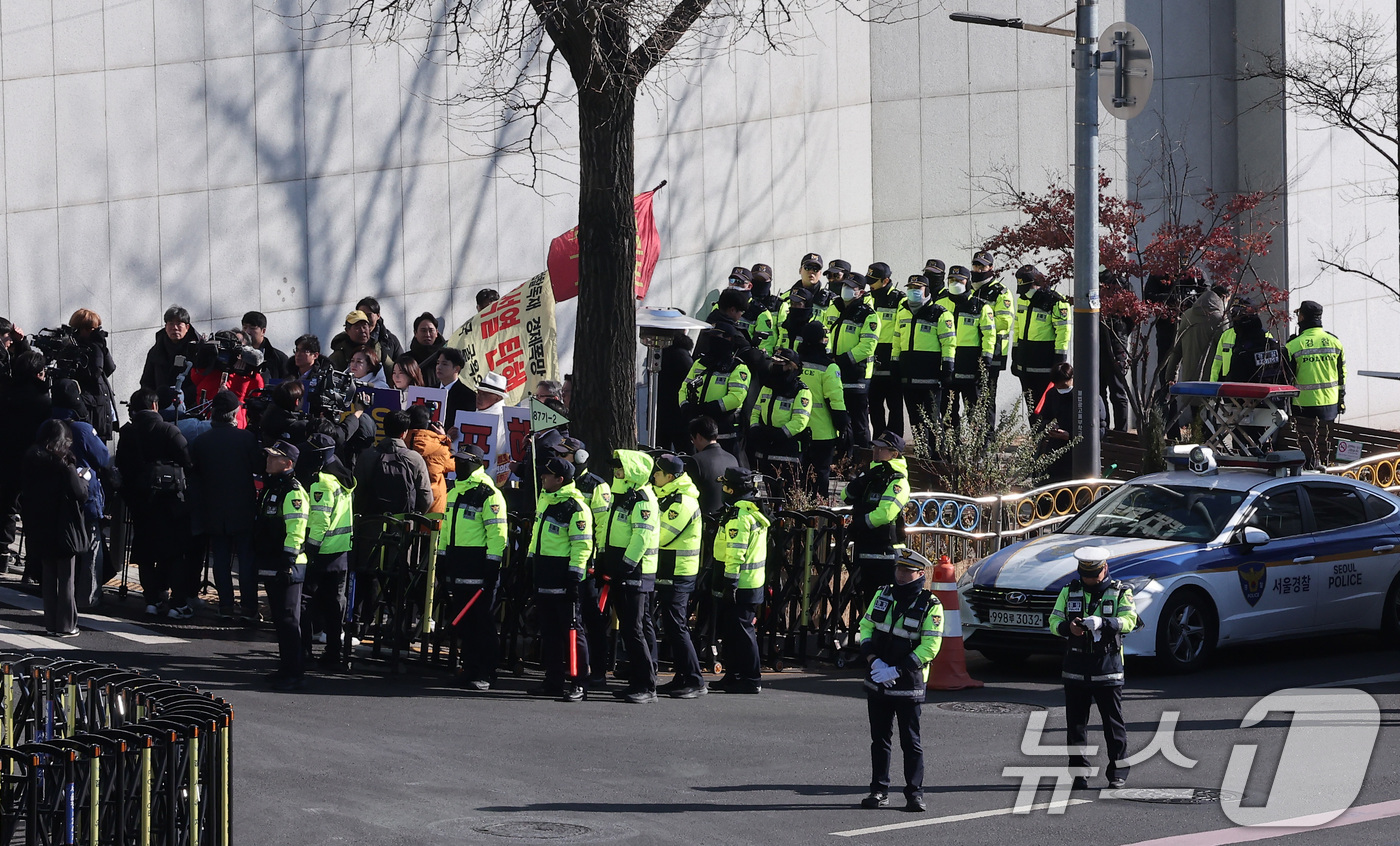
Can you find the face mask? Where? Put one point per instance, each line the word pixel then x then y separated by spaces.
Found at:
pixel 957 289
pixel 1065 390
pixel 980 276
pixel 1024 287
pixel 848 293
pixel 916 297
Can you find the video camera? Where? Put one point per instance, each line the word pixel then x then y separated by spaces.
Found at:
pixel 332 390
pixel 227 353
pixel 61 348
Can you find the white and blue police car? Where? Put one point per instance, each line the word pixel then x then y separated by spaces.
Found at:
pixel 1215 555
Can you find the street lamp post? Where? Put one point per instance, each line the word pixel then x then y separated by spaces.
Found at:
pixel 1085 61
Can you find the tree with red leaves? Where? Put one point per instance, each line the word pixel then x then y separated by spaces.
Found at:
pixel 1218 244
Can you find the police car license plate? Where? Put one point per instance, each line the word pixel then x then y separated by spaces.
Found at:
pixel 1025 619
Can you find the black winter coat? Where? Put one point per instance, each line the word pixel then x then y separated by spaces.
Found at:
pixel 225 460
pixel 160 370
pixel 52 506
pixel 148 438
pixel 23 409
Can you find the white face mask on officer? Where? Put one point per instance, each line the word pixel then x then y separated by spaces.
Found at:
pixel 957 287
pixel 848 293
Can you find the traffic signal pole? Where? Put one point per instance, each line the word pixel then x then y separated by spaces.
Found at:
pixel 1086 455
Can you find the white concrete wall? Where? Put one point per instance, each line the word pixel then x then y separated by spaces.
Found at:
pixel 1334 178
pixel 212 155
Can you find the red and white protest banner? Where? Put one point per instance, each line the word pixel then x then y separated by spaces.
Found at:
pixel 515 336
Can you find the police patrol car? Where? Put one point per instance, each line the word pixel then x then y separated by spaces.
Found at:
pixel 1215 556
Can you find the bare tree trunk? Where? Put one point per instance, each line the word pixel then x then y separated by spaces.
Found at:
pixel 605 347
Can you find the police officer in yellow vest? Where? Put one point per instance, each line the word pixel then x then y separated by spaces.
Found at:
pixel 560 545
pixel 877 498
pixel 598 494
pixel 809 280
pixel 886 392
pixel 1246 352
pixel 1042 333
pixel 716 386
pixel 741 547
pixel 279 544
pixel 1092 613
pixel 1319 368
pixel 798 314
pixel 677 565
pixel 471 548
pixel 925 341
pixel 854 334
pixel 329 535
pixel 627 558
pixel 974 342
pixel 989 288
pixel 778 423
pixel 900 635
pixel 830 425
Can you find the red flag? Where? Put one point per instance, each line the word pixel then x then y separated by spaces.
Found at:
pixel 563 253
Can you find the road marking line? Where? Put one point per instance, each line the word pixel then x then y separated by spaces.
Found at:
pixel 977 815
pixel 26 642
pixel 1365 680
pixel 1297 825
pixel 95 622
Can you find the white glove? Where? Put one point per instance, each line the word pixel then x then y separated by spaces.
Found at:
pixel 1093 624
pixel 885 675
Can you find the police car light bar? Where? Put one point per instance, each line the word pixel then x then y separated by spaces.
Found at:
pixel 1233 390
pixel 1287 462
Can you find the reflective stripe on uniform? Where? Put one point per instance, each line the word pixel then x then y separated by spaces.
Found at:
pixel 1320 386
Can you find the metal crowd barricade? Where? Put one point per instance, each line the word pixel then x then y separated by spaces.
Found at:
pixel 1383 471
pixel 90 754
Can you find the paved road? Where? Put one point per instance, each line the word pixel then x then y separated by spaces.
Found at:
pixel 379 759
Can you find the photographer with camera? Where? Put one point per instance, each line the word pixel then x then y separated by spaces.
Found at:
pixel 12 345
pixel 154 461
pixel 94 370
pixel 225 362
pixel 172 352
pixel 23 407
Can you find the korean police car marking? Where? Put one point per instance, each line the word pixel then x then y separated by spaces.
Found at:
pixel 1253 576
pixel 1344 575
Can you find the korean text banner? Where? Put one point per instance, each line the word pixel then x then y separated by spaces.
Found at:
pixel 563 254
pixel 514 336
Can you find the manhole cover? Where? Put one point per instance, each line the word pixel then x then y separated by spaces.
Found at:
pixel 536 830
pixel 1170 795
pixel 990 707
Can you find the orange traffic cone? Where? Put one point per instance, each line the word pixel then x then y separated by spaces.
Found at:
pixel 949 670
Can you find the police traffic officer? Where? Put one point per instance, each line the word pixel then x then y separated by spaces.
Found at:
pixel 1042 333
pixel 925 341
pixel 798 314
pixel 808 280
pixel 329 537
pixel 779 421
pixel 989 289
pixel 1318 364
pixel 597 493
pixel 836 272
pixel 279 545
pixel 855 330
pixel 900 635
pixel 561 542
pixel 1246 352
pixel 974 342
pixel 877 498
pixel 1092 613
pixel 627 558
pixel 677 565
pixel 741 548
pixel 886 395
pixel 829 424
pixel 471 548
pixel 717 386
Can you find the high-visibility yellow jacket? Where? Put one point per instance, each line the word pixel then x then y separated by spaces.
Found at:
pixel 330 524
pixel 906 634
pixel 562 539
pixel 679 544
pixel 854 334
pixel 628 552
pixel 476 516
pixel 925 341
pixel 742 545
pixel 1003 318
pixel 1319 366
